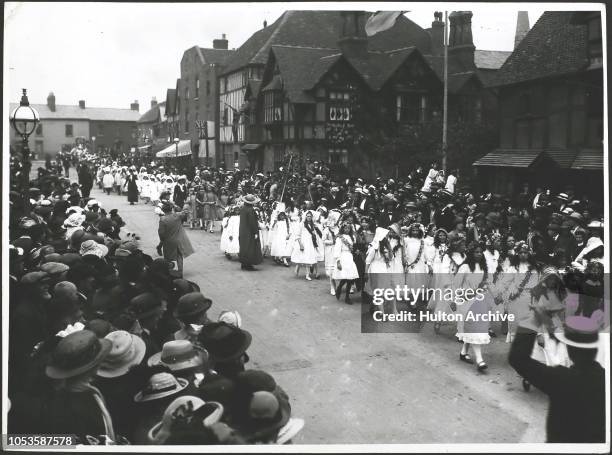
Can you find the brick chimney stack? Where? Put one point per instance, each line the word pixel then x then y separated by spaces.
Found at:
pixel 437 34
pixel 82 104
pixel 153 102
pixel 51 102
pixel 353 40
pixel 220 43
pixel 522 27
pixel 460 42
pixel 134 106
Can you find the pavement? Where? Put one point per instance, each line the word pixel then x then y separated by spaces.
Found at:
pixel 353 387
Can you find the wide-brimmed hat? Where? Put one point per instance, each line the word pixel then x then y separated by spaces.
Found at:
pixel 592 243
pixel 77 353
pixel 126 350
pixel 34 277
pixel 54 269
pixel 223 341
pixel 208 413
pixel 178 355
pixel 145 305
pixel 250 199
pixel 266 415
pixel 94 248
pixel 580 332
pixel 231 317
pixel 191 304
pixel 161 385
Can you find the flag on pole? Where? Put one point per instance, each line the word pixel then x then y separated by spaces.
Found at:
pixel 381 21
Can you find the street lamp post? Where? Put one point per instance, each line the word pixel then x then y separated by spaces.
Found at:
pixel 24 120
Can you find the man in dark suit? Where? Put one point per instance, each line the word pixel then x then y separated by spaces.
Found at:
pixel 173 239
pixel 577 410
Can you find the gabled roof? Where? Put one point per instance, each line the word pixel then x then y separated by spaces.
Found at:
pixel 63 111
pixel 154 115
pixel 458 80
pixel 301 68
pixel 509 158
pixel 216 56
pixel 490 60
pixel 436 62
pixel 380 66
pixel 321 29
pixel 552 47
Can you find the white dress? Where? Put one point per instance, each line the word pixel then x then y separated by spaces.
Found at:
pixel 472 331
pixel 417 272
pixel 281 245
pixel 328 250
pixel 343 253
pixel 233 230
pixel 309 255
pixel 224 234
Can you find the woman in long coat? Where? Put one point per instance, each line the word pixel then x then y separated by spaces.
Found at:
pixel 250 243
pixel 209 201
pixel 132 187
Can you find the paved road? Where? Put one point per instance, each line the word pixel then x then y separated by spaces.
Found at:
pixel 348 386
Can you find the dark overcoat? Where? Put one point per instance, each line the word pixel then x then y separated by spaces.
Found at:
pixel 248 237
pixel 173 237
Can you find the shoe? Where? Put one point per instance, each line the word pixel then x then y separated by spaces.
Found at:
pixel 466 358
pixel 308 278
pixel 492 334
pixel 482 366
pixel 332 291
pixel 285 263
pixel 211 231
pixel 338 292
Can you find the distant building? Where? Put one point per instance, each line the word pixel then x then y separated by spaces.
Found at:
pixel 551 109
pixel 291 86
pixel 60 125
pixel 153 132
pixel 194 101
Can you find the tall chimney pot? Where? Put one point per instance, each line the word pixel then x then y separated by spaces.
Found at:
pixel 134 106
pixel 460 42
pixel 82 104
pixel 353 40
pixel 51 102
pixel 437 35
pixel 220 43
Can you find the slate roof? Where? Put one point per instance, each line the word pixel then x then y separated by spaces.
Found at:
pixel 380 66
pixel 63 111
pixel 490 60
pixel 589 159
pixel 552 47
pixel 320 29
pixel 301 68
pixel 216 56
pixel 154 114
pixel 458 80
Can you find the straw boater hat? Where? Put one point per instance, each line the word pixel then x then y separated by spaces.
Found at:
pixel 250 199
pixel 580 332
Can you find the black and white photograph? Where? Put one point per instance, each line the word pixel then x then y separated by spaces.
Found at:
pixel 318 227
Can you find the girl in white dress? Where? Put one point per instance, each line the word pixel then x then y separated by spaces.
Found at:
pixel 233 230
pixel 414 258
pixel 346 270
pixel 474 333
pixel 305 247
pixel 445 266
pixel 378 262
pixel 155 190
pixel 145 188
pixel 225 232
pixel 330 231
pixel 281 235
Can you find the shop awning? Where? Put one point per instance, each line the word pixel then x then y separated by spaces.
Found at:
pixel 589 160
pixel 143 147
pixel 184 148
pixel 509 158
pixel 249 147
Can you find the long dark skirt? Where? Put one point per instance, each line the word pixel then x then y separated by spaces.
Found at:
pixel 132 193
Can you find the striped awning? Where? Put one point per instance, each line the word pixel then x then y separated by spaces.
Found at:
pixel 509 158
pixel 589 160
pixel 184 148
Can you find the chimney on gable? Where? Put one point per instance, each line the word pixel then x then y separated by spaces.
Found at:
pixel 82 104
pixel 220 43
pixel 134 106
pixel 353 42
pixel 265 24
pixel 153 102
pixel 437 34
pixel 51 102
pixel 522 27
pixel 460 42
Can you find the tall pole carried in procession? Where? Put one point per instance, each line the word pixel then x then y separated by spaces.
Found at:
pixel 445 113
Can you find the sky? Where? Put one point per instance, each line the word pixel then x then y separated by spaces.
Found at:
pixel 110 54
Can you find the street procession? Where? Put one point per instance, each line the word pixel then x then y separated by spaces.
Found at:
pixel 350 229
